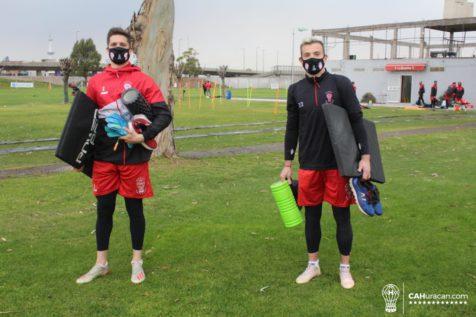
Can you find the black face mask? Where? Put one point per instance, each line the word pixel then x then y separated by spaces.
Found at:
pixel 313 66
pixel 119 55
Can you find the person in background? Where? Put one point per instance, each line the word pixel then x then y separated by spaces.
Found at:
pixel 459 93
pixel 204 86
pixel 208 86
pixel 453 90
pixel 450 94
pixel 421 91
pixel 433 92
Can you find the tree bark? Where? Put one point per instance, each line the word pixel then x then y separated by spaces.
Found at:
pixel 223 87
pixel 65 64
pixel 222 73
pixel 152 30
pixel 65 88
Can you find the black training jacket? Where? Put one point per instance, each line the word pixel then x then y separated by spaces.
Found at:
pixel 306 122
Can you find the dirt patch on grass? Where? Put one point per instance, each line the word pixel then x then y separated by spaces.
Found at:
pixel 262 148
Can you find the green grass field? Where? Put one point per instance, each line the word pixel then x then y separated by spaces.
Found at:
pixel 39 113
pixel 214 238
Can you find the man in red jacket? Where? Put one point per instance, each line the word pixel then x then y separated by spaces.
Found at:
pixel 433 92
pixel 208 86
pixel 121 165
pixel 459 93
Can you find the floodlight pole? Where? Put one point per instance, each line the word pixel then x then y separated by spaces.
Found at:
pixel 262 52
pixel 300 29
pixel 257 48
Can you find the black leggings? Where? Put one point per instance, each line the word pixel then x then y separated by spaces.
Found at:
pixel 343 232
pixel 105 209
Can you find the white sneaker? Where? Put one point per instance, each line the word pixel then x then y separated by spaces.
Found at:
pixel 138 275
pixel 346 279
pixel 309 273
pixel 96 271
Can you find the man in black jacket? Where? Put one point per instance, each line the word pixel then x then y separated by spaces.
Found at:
pixel 421 92
pixel 319 179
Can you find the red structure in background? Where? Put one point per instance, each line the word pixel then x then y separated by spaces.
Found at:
pixel 416 67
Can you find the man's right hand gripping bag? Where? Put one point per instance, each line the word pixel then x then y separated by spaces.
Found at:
pixel 345 147
pixel 76 144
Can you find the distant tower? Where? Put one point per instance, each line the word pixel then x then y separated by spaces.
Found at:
pixel 50 47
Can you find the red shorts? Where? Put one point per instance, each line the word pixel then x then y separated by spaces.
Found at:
pixel 326 185
pixel 132 180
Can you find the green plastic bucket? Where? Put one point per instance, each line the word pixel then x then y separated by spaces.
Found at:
pixel 284 199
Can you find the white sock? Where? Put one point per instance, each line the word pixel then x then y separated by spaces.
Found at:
pixel 314 263
pixel 344 267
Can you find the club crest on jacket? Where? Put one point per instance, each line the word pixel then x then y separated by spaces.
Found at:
pixel 329 97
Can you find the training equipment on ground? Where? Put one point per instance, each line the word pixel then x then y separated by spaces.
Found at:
pixel 345 147
pixel 136 103
pixel 288 209
pixel 417 108
pixel 76 143
pixel 363 196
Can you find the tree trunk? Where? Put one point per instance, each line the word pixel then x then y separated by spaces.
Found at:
pixel 152 30
pixel 65 88
pixel 223 87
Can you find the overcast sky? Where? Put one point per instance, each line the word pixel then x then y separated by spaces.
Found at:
pixel 222 31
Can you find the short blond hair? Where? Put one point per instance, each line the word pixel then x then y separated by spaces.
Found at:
pixel 310 41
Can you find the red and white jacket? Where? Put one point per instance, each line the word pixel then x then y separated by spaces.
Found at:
pixel 105 90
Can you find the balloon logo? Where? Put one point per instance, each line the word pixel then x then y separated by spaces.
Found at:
pixel 390 293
